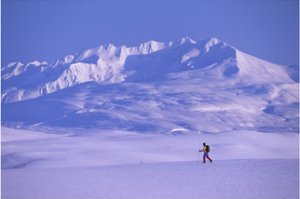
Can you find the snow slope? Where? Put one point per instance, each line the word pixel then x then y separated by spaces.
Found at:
pixel 184 104
pixel 195 86
pixel 155 87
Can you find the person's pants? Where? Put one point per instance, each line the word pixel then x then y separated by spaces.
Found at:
pixel 205 155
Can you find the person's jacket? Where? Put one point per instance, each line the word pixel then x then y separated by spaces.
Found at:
pixel 205 148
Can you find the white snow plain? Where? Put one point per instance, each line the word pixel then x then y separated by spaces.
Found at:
pixel 232 179
pixel 125 165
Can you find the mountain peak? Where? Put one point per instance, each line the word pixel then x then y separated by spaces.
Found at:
pixel 36 63
pixel 69 58
pixel 212 42
pixel 12 64
pixel 151 46
pixel 187 39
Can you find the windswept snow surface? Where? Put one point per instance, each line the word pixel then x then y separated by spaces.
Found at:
pixel 37 149
pixel 233 179
pixel 124 165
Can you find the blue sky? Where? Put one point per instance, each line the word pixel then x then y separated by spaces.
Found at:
pixel 50 29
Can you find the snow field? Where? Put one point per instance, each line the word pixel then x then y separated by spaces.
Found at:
pixel 36 149
pixel 227 179
pixel 126 165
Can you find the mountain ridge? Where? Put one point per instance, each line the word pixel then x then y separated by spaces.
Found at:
pixel 173 88
pixel 112 64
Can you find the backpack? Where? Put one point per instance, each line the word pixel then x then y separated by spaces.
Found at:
pixel 207 148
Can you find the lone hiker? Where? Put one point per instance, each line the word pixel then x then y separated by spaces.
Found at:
pixel 206 150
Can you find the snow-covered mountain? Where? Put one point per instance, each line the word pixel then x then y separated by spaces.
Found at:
pixel 148 61
pixel 175 87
